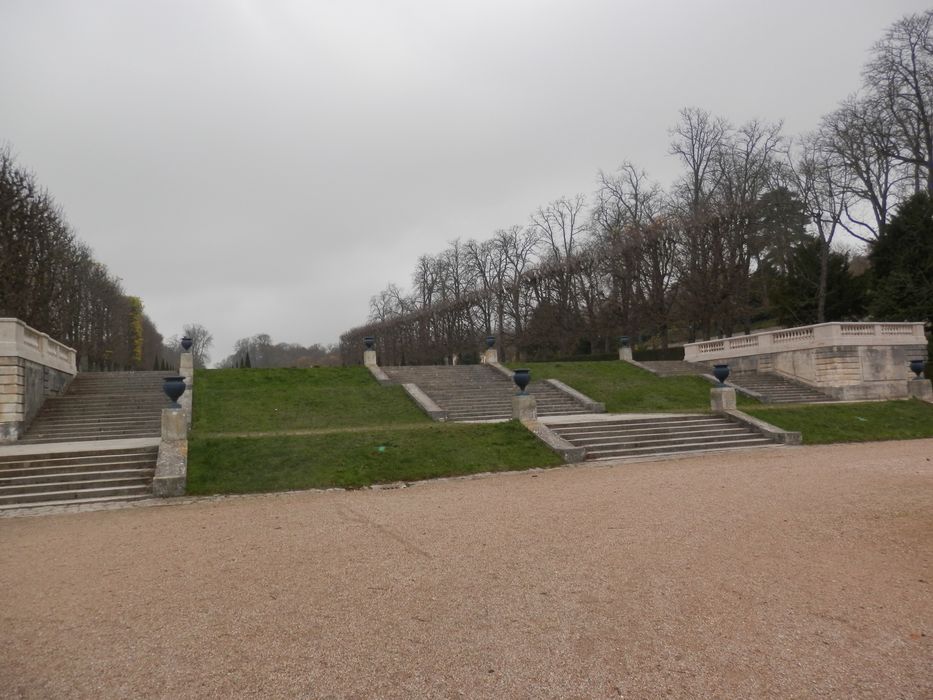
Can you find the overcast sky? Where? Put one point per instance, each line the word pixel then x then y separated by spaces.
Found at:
pixel 267 166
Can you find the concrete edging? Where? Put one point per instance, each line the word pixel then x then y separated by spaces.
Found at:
pixel 570 453
pixel 638 364
pixel 378 374
pixel 425 403
pixel 579 396
pixel 779 435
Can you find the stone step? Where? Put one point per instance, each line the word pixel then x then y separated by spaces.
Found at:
pixel 40 481
pixel 81 438
pixel 74 501
pixel 67 491
pixel 669 449
pixel 37 459
pixel 656 435
pixel 648 434
pixel 63 470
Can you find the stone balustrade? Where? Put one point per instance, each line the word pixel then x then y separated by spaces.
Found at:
pixel 848 361
pixel 32 366
pixel 806 337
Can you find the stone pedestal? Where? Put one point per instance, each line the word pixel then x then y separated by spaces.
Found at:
pixel 171 472
pixel 625 354
pixel 174 425
pixel 920 389
pixel 490 356
pixel 524 407
pixel 369 358
pixel 722 399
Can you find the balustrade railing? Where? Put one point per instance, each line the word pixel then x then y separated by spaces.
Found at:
pixel 803 337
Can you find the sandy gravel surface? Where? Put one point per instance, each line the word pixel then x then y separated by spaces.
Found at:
pixel 795 573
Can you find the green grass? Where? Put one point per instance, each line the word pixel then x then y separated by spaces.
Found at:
pixel 352 459
pixel 625 388
pixel 266 400
pixel 852 422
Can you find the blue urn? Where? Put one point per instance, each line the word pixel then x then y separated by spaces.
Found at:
pixel 522 377
pixel 917 367
pixel 186 343
pixel 174 387
pixel 721 372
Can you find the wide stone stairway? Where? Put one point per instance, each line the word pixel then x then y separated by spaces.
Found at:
pixel 621 437
pixel 102 406
pixel 97 443
pixel 480 392
pixel 774 388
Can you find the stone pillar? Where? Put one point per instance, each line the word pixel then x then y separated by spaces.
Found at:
pixel 490 356
pixel 920 389
pixel 722 399
pixel 625 354
pixel 12 398
pixel 186 370
pixel 171 472
pixel 524 407
pixel 369 358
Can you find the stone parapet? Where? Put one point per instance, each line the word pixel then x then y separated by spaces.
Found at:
pixel 848 361
pixel 19 340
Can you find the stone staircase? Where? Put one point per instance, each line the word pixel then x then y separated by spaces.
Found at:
pixel 74 477
pixel 774 388
pixel 102 406
pixel 480 392
pixel 97 443
pixel 656 436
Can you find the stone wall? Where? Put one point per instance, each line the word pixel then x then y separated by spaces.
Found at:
pixel 33 366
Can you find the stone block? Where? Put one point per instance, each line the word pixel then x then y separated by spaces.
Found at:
pixel 171 472
pixel 12 397
pixel 524 407
pixel 490 356
pixel 722 399
pixel 625 354
pixel 369 358
pixel 920 389
pixel 174 425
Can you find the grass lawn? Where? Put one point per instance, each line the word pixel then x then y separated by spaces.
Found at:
pixel 265 400
pixel 351 459
pixel 625 388
pixel 852 422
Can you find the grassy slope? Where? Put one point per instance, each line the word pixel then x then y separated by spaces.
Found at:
pixel 353 415
pixel 852 422
pixel 360 458
pixel 265 400
pixel 625 388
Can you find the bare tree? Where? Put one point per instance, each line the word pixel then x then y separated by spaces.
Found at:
pixel 201 342
pixel 823 188
pixel 899 78
pixel 862 137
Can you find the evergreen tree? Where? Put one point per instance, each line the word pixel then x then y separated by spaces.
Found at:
pixel 247 363
pixel 795 294
pixel 902 263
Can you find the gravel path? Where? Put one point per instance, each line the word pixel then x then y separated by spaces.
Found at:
pixel 795 573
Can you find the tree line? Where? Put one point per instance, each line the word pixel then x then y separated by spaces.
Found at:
pixel 259 351
pixel 50 280
pixel 748 234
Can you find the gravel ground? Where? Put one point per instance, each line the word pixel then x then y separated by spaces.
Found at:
pixel 795 573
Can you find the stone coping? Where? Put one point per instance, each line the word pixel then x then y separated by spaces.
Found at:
pixel 19 340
